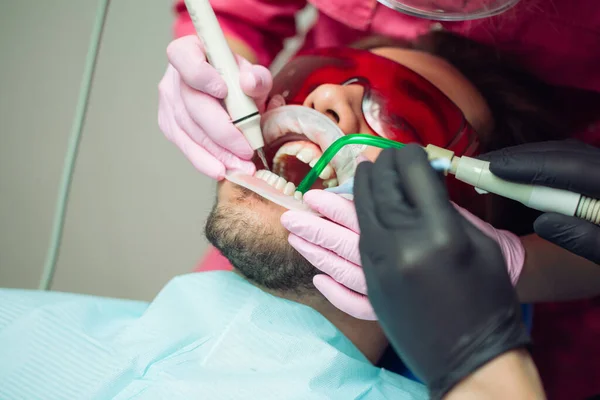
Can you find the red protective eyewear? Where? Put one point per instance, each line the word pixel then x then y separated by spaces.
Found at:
pixel 397 104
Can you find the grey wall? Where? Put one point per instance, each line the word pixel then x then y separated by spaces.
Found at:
pixel 137 207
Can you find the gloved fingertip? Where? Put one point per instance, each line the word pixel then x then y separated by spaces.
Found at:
pixel 242 153
pixel 294 240
pixel 322 282
pixel 320 200
pixel 352 303
pixel 263 77
pixel 312 195
pixel 285 219
pixel 541 220
pixel 248 82
pixel 503 164
pixel 301 246
pixel 219 172
pixel 214 172
pixel 546 225
pixel 256 82
pixel 288 220
pixel 243 167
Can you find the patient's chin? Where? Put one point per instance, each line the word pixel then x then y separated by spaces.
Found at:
pixel 249 234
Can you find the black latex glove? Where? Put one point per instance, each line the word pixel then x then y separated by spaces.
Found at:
pixel 569 165
pixel 439 286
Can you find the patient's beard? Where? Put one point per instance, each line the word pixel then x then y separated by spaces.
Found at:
pixel 258 251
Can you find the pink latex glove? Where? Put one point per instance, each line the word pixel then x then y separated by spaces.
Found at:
pixel 510 244
pixel 191 115
pixel 332 247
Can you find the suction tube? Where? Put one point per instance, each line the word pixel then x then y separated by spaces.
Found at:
pixel 359 138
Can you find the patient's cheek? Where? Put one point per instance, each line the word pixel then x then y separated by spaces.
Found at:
pixel 371 153
pixel 225 191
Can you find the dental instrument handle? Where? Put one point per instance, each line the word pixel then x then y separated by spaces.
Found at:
pixel 241 108
pixel 546 199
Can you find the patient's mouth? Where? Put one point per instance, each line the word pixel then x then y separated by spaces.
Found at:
pixel 295 138
pixel 293 156
pixel 290 163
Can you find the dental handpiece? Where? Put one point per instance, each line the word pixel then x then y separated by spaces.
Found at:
pixel 241 108
pixel 477 173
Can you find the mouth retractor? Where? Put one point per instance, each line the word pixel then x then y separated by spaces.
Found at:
pixel 316 128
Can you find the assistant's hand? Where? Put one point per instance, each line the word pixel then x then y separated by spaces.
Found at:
pixel 332 247
pixel 190 113
pixel 439 287
pixel 569 165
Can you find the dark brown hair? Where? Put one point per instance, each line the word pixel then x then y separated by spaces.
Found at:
pixel 524 108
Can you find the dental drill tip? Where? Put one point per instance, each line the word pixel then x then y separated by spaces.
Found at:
pixel 261 155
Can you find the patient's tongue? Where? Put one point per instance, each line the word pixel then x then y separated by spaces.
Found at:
pixel 292 169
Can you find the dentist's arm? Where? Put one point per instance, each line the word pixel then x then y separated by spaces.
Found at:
pixel 512 375
pixel 438 285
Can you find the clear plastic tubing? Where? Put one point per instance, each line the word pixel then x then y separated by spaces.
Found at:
pixel 359 138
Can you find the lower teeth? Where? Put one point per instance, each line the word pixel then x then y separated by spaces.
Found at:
pixel 279 183
pixel 329 183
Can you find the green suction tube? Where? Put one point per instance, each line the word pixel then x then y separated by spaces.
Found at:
pixel 359 138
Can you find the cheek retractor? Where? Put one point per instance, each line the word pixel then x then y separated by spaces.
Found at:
pixel 321 131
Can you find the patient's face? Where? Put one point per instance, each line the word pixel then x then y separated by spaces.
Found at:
pixel 246 228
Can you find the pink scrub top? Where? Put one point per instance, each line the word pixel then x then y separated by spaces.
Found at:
pixel 558 40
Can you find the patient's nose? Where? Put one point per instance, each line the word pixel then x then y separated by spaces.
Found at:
pixel 340 103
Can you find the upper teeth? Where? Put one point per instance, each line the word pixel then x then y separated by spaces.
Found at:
pixel 327 172
pixel 320 130
pixel 305 151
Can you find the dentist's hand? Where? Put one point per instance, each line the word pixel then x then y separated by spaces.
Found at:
pixel 439 287
pixel 331 245
pixel 190 113
pixel 569 165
